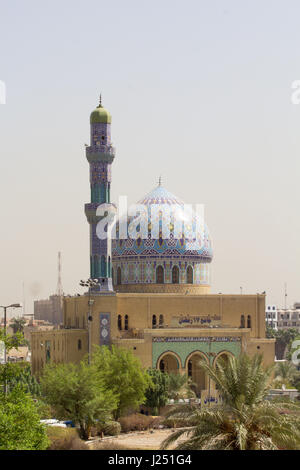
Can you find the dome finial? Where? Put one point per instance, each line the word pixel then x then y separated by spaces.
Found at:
pixel 159 181
pixel 100 101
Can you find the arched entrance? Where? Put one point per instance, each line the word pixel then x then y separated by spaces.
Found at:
pixel 223 357
pixel 196 373
pixel 169 363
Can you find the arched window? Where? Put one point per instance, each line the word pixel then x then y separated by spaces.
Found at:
pixel 79 345
pixel 159 275
pixel 242 321
pixel 190 368
pixel 161 320
pixel 175 275
pixel 126 322
pixel 189 275
pixel 248 321
pixel 162 366
pixel 119 322
pixel 112 275
pixel 119 276
pixel 153 321
pixel 109 268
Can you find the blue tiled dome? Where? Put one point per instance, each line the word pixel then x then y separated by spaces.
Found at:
pixel 199 248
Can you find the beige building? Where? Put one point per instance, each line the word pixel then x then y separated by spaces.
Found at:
pixel 153 292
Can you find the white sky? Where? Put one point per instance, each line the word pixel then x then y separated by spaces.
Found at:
pixel 200 93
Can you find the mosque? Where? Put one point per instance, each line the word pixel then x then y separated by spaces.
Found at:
pixel 153 290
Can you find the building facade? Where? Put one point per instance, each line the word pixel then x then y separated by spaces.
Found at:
pixel 153 293
pixel 289 318
pixel 49 310
pixel 272 316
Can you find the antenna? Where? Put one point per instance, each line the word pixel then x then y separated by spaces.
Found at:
pixel 23 288
pixel 59 289
pixel 285 296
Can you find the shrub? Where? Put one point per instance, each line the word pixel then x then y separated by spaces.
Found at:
pixel 65 439
pixel 137 422
pixel 112 428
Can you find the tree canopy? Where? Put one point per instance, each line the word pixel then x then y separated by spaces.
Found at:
pixel 77 392
pixel 245 420
pixel 123 375
pixel 20 427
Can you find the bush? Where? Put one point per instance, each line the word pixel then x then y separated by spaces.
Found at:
pixel 65 439
pixel 137 422
pixel 112 428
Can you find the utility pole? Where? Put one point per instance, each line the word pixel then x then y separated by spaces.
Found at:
pixel 59 289
pixel 90 283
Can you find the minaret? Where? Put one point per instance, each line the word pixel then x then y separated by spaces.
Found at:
pixel 100 155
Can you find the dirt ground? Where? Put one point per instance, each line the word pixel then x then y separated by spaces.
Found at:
pixel 144 440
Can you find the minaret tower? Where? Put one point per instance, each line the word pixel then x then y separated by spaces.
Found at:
pixel 100 155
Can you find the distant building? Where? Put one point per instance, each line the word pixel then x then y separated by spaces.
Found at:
pixel 49 310
pixel 272 316
pixel 289 318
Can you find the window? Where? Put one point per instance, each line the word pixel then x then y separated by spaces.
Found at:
pixel 154 321
pixel 126 322
pixel 79 345
pixel 161 320
pixel 249 321
pixel 242 321
pixel 159 275
pixel 119 322
pixel 190 366
pixel 189 275
pixel 119 276
pixel 175 275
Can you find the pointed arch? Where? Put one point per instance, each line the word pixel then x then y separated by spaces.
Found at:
pixel 119 276
pixel 190 275
pixel 175 275
pixel 160 275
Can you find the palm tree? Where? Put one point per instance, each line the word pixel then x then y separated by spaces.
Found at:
pixel 180 386
pixel 286 373
pixel 245 420
pixel 18 325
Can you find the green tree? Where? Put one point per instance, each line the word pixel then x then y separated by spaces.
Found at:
pixel 286 374
pixel 122 374
pixel 157 392
pixel 284 339
pixel 245 420
pixel 18 325
pixel 20 427
pixel 20 374
pixel 77 392
pixel 7 370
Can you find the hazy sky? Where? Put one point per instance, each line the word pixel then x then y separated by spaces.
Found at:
pixel 200 93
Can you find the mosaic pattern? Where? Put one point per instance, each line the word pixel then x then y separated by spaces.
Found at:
pixel 100 180
pixel 184 348
pixel 138 258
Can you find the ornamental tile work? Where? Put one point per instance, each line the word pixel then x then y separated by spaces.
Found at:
pixel 185 346
pixel 157 250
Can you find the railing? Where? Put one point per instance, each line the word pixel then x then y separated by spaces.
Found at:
pixel 102 149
